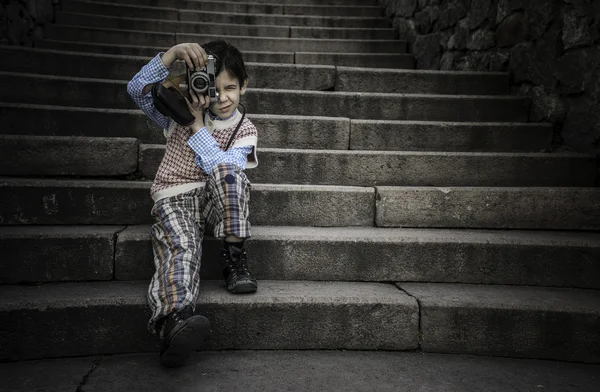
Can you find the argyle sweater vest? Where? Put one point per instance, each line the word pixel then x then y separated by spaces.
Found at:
pixel 178 171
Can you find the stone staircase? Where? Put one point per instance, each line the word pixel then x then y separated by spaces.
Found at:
pixel 394 209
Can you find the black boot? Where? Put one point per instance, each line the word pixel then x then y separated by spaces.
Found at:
pixel 235 272
pixel 183 333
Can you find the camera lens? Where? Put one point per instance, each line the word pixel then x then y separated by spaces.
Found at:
pixel 199 82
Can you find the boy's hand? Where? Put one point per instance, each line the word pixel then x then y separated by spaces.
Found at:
pixel 193 54
pixel 197 106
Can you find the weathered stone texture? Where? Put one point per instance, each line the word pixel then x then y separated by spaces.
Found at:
pixel 22 21
pixel 427 50
pixel 551 49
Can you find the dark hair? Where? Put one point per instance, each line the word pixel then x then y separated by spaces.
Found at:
pixel 229 58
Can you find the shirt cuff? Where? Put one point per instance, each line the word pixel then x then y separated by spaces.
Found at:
pixel 156 69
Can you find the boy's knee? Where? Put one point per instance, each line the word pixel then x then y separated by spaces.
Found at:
pixel 227 172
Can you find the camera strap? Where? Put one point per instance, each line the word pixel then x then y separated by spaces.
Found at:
pixel 237 128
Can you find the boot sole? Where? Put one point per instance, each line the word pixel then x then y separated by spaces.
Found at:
pixel 243 287
pixel 190 337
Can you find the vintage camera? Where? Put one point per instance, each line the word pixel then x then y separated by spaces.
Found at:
pixel 183 79
pixel 204 81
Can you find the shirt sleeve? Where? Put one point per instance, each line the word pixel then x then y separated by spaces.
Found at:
pixel 209 155
pixel 153 72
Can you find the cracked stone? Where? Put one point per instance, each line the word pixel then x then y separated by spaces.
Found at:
pixel 579 70
pixel 478 13
pixel 450 16
pixel 576 30
pixel 546 106
pixel 481 40
pixel 459 39
pixel 427 50
pixel 512 30
pixel 539 16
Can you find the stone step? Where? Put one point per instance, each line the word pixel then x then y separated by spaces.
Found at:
pixel 380 106
pixel 286 20
pixel 22 155
pixel 486 207
pixel 275 131
pixel 34 254
pixel 370 168
pixel 367 60
pixel 150 51
pixel 66 19
pixel 273 44
pixel 281 370
pixel 421 81
pixel 449 136
pixel 99 202
pixel 370 60
pixel 275 76
pixel 247 29
pixel 510 321
pixel 284 9
pixel 136 11
pixel 271 5
pixel 112 94
pixel 328 133
pixel 284 315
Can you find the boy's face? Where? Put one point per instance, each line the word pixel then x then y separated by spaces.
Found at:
pixel 230 92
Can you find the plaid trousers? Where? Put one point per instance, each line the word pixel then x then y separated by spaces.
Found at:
pixel 181 221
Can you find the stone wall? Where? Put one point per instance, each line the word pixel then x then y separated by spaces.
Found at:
pixel 551 48
pixel 22 21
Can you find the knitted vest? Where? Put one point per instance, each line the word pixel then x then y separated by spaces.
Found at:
pixel 178 172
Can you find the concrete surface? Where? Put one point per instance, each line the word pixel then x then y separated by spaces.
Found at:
pixel 343 33
pixel 449 136
pixel 151 51
pixel 58 253
pixel 130 36
pixel 172 26
pixel 72 202
pixel 111 317
pixel 287 9
pixel 532 258
pixel 379 106
pixel 275 131
pixel 154 23
pixel 421 81
pixel 300 371
pixel 486 207
pixel 164 13
pixel 303 44
pixel 64 91
pixel 369 60
pixel 376 60
pixel 287 20
pixel 373 168
pixel 513 321
pixel 48 120
pixel 22 155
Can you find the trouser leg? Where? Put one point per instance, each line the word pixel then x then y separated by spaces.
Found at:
pixel 177 245
pixel 227 194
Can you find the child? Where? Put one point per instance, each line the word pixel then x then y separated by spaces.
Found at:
pixel 198 185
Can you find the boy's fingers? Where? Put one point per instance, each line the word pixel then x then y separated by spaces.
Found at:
pixel 200 55
pixel 203 54
pixel 193 56
pixel 194 97
pixel 188 60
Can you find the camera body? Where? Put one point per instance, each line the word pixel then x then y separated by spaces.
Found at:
pixel 203 82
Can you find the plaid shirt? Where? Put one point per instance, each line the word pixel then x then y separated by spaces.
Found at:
pixel 208 153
